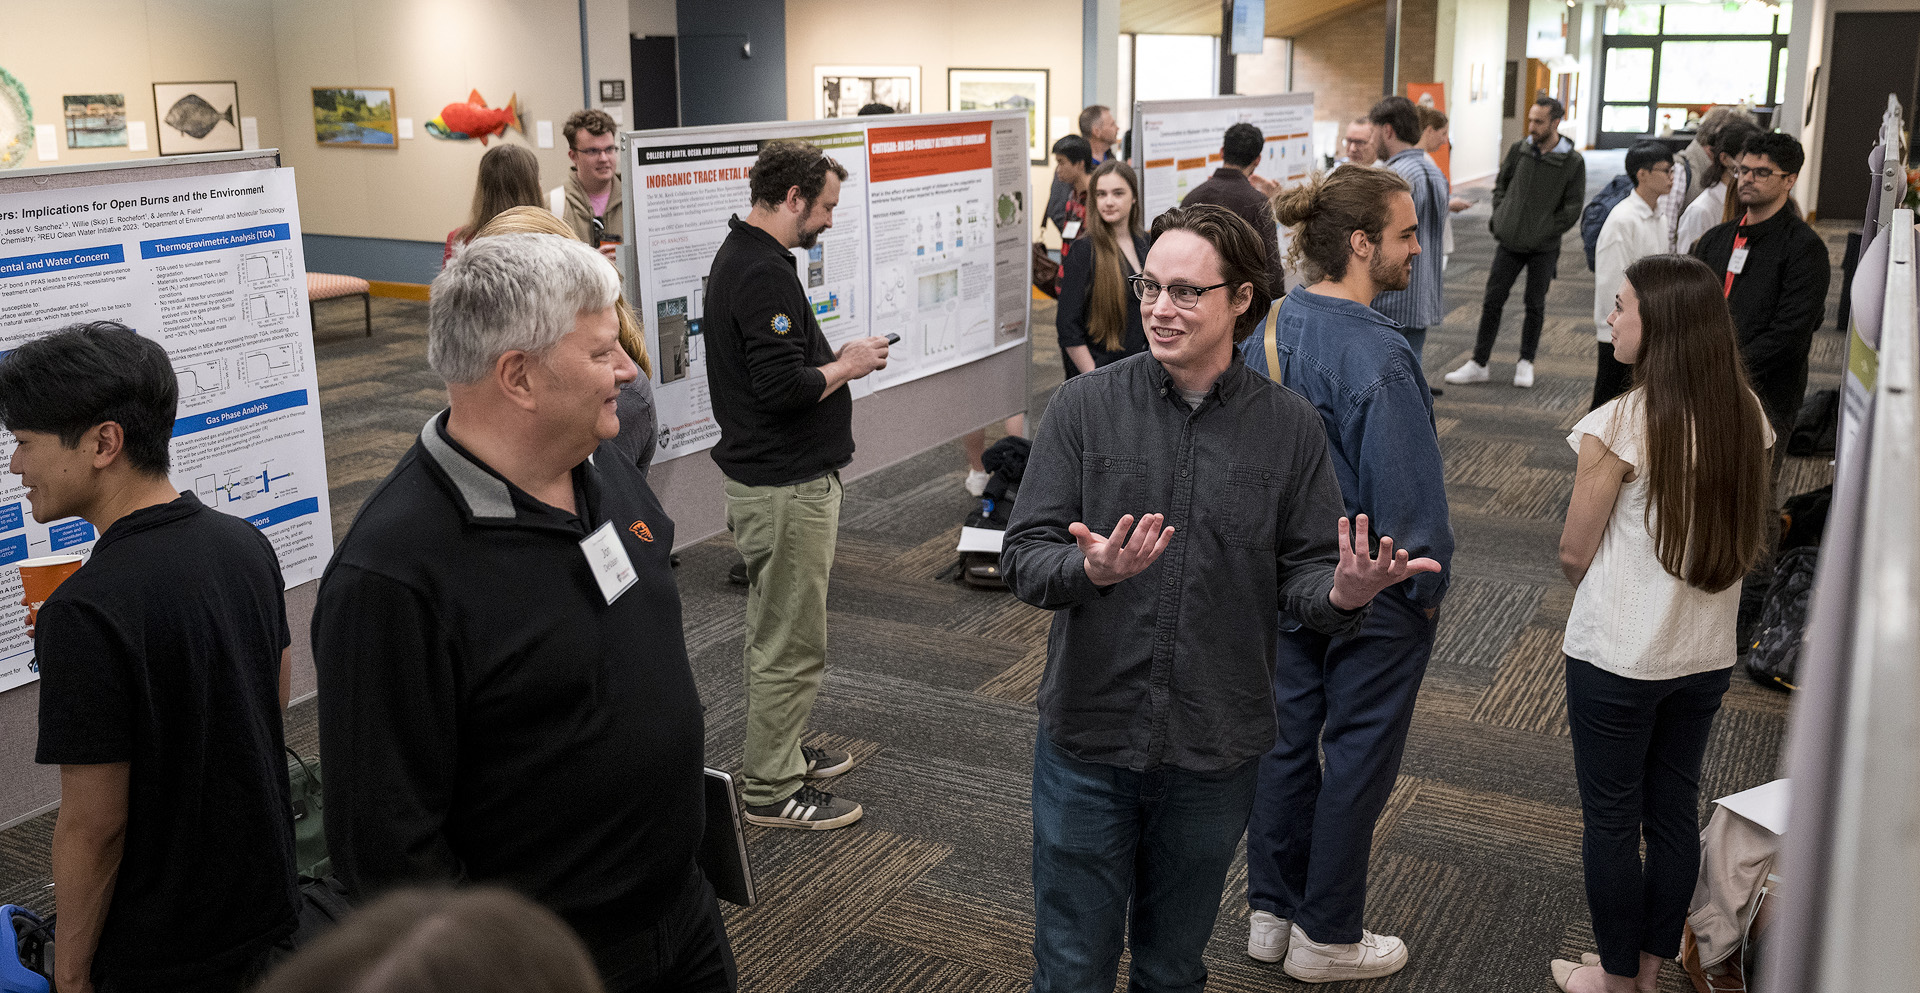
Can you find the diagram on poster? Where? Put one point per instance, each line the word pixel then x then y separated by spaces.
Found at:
pixel 1178 142
pixel 211 267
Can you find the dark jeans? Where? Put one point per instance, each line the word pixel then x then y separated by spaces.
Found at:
pixel 1637 748
pixel 1541 267
pixel 685 950
pixel 1312 831
pixel 1611 377
pixel 1119 854
pixel 1417 338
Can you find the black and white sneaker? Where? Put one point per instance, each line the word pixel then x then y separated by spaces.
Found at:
pixel 825 763
pixel 809 809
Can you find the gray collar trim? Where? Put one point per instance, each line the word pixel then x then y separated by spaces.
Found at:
pixel 485 495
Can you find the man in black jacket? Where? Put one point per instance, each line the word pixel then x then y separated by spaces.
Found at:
pixel 504 689
pixel 786 429
pixel 1775 270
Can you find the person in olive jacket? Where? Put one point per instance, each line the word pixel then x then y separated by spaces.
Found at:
pixel 1542 184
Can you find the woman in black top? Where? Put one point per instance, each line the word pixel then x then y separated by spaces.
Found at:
pixel 1099 319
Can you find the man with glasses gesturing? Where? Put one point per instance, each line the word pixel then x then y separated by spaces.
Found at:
pixel 1174 501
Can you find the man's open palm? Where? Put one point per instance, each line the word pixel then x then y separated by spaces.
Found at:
pixel 1360 576
pixel 1120 555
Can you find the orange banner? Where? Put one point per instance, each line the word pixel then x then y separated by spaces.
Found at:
pixel 1199 163
pixel 929 149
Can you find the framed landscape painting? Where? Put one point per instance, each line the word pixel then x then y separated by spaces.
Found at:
pixel 354 116
pixel 197 117
pixel 998 89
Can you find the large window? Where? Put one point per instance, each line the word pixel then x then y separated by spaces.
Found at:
pixel 1664 64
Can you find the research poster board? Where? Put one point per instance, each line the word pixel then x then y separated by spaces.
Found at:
pixel 211 267
pixel 928 242
pixel 1176 143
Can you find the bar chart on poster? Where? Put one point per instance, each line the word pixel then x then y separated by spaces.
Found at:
pixel 1177 142
pixel 210 266
pixel 929 241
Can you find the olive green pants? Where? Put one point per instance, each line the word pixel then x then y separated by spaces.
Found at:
pixel 786 535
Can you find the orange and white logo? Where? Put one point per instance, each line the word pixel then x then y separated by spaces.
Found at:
pixel 641 531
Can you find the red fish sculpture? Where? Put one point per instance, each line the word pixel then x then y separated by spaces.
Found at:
pixel 474 119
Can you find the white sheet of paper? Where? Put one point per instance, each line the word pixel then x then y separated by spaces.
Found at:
pixel 1764 805
pixel 46 142
pixel 544 132
pixel 249 132
pixel 981 540
pixel 405 127
pixel 136 136
pixel 618 113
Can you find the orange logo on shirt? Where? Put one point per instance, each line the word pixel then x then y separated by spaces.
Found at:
pixel 640 530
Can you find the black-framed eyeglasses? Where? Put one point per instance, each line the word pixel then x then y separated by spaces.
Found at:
pixel 1757 172
pixel 1184 297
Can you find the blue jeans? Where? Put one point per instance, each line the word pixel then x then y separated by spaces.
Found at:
pixel 1123 855
pixel 1312 832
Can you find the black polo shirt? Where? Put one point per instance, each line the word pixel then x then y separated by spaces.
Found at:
pixel 163 652
pixel 764 352
pixel 486 716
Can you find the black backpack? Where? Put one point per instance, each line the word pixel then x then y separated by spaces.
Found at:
pixel 1816 428
pixel 1007 462
pixel 1594 217
pixel 1774 657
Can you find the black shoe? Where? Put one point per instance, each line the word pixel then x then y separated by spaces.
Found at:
pixel 825 763
pixel 1438 393
pixel 674 560
pixel 738 574
pixel 807 810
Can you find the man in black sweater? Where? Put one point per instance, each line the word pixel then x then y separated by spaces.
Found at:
pixel 1233 186
pixel 1775 270
pixel 504 688
pixel 786 428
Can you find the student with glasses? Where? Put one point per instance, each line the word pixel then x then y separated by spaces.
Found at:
pixel 592 190
pixel 1635 229
pixel 1351 693
pixel 1153 709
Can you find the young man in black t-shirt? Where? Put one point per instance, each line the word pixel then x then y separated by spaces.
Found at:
pixel 163 673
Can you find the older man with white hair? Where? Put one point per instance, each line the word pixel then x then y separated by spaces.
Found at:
pixel 504 688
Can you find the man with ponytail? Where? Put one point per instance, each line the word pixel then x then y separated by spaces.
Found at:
pixel 1355 236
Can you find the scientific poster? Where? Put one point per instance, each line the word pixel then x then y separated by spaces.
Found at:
pixel 1177 142
pixel 211 267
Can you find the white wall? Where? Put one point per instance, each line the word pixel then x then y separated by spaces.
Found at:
pixel 1470 35
pixel 1809 46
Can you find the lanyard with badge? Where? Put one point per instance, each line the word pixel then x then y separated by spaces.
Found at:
pixel 608 561
pixel 1738 260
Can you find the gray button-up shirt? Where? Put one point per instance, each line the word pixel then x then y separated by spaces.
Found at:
pixel 1420 305
pixel 1174 666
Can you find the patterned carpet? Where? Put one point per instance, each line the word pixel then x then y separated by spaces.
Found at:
pixel 1476 861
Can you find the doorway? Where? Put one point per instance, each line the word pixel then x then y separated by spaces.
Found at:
pixel 1873 55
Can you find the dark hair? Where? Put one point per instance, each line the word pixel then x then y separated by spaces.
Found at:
pixel 1556 111
pixel 1646 155
pixel 1091 116
pixel 1326 210
pixel 1709 506
pixel 1109 297
pixel 783 165
pixel 1729 139
pixel 84 375
pixel 1243 257
pixel 1397 113
pixel 1076 149
pixel 1430 119
pixel 483 940
pixel 593 122
pixel 1783 149
pixel 1242 145
pixel 874 108
pixel 509 177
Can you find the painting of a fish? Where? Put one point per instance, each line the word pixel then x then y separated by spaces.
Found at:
pixel 474 119
pixel 197 117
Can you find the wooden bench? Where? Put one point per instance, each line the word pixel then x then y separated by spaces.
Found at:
pixel 329 286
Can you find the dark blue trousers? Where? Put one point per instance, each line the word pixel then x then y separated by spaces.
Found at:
pixel 1312 830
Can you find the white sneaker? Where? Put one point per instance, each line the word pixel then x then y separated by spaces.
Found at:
pixel 1523 374
pixel 1267 939
pixel 1471 372
pixel 1373 956
pixel 977 482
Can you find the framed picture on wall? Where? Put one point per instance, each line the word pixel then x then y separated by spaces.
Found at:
pixel 840 91
pixel 197 117
pixel 1000 89
pixel 354 116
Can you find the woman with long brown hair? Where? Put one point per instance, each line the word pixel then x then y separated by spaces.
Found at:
pixel 1099 320
pixel 509 177
pixel 1671 507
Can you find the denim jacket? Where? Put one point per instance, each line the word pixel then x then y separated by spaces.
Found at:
pixel 1356 368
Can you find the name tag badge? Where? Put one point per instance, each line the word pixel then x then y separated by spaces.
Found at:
pixel 607 558
pixel 1071 231
pixel 1737 263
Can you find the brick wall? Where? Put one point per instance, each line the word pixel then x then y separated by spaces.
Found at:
pixel 1342 61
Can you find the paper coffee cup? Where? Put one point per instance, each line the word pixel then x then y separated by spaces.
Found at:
pixel 40 577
